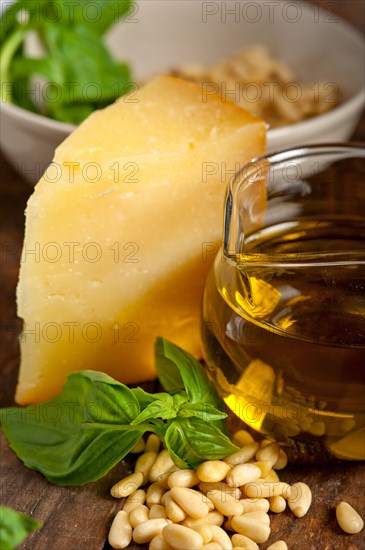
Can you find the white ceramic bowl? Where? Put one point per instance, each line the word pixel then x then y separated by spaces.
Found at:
pixel 161 35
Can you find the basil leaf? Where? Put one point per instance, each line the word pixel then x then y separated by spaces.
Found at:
pixel 75 55
pixel 167 370
pixel 96 14
pixel 179 462
pixel 204 411
pixel 144 398
pixel 158 409
pixel 15 527
pixel 192 441
pixel 180 398
pixel 80 434
pixel 9 22
pixel 177 369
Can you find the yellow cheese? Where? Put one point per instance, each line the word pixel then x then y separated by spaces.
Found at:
pixel 120 233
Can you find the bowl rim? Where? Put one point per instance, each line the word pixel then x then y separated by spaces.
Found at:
pixel 43 121
pixel 337 114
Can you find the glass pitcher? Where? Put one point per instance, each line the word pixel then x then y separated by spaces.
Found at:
pixel 284 305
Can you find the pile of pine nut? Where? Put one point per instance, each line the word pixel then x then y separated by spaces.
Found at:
pixel 196 509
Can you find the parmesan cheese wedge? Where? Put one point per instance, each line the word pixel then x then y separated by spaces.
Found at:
pixel 121 231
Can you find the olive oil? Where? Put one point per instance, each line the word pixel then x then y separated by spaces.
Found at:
pixel 284 333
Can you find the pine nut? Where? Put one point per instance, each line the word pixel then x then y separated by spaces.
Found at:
pixel 153 444
pixel 278 545
pixel 146 531
pixel 204 498
pixel 282 460
pixel 213 518
pixel 212 471
pixel 182 538
pixel 120 534
pixel 251 528
pixel 157 511
pixel 198 516
pixel 183 478
pixel 139 515
pixel 220 487
pixel 205 531
pixel 242 437
pixel 269 452
pixel 265 467
pixel 348 519
pixel 139 447
pixel 261 488
pixel 242 474
pixel 173 510
pixel 154 494
pixel 300 499
pixel 277 504
pixel 243 455
pixel 292 429
pixel 243 542
pixel 272 476
pixel 144 464
pixel 264 442
pixel 164 478
pixel 226 504
pixel 134 500
pixel 317 428
pixel 221 537
pixel 208 502
pixel 260 516
pixel 190 501
pixel 159 543
pixel 161 466
pixel 127 485
pixel 305 426
pixel 255 505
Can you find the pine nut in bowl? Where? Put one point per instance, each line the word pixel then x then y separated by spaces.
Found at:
pixel 333 58
pixel 284 312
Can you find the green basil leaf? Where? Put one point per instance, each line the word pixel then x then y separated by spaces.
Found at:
pixel 79 435
pixel 180 398
pixel 81 73
pixel 192 440
pixel 15 527
pixel 158 409
pixel 9 22
pixel 177 369
pixel 204 411
pixel 99 15
pixel 167 370
pixel 144 398
pixel 96 14
pixel 171 435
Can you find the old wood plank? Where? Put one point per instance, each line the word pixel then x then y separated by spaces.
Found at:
pixel 74 518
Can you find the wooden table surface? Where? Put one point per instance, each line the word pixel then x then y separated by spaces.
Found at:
pixel 79 518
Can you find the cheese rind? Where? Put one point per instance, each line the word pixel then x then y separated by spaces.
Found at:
pixel 121 231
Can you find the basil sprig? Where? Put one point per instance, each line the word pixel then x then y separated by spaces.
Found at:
pixel 78 436
pixel 15 527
